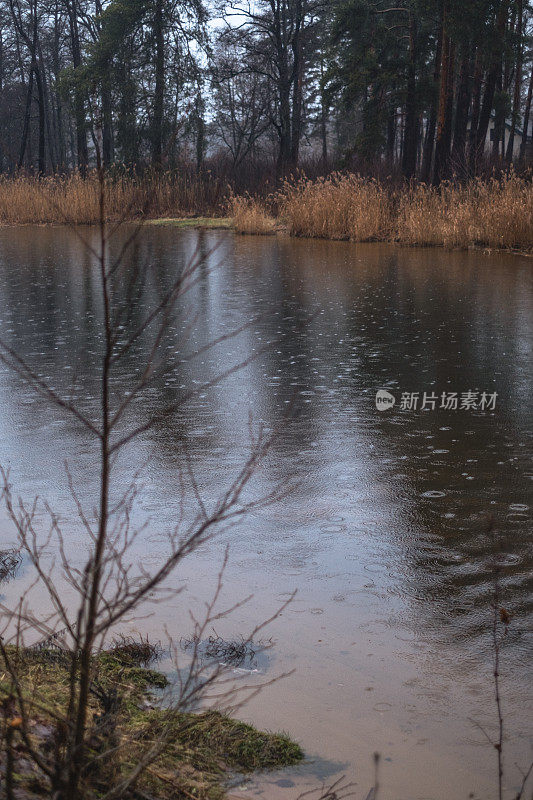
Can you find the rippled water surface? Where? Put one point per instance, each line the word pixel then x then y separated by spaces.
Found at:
pixel 385 531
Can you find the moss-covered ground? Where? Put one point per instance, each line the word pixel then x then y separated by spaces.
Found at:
pixel 198 753
pixel 193 222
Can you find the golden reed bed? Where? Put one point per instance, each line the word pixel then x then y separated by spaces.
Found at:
pixel 496 213
pixel 72 200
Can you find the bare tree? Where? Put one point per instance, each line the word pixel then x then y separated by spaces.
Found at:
pixel 242 100
pixel 275 38
pixel 27 27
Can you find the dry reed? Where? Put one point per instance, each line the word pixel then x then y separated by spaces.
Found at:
pixel 337 207
pixel 496 214
pixel 73 200
pixel 250 216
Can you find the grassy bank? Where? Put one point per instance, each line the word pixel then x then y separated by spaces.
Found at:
pixel 199 749
pixel 495 214
pixel 224 223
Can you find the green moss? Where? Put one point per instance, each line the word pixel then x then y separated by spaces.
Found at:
pixel 241 746
pixel 198 749
pixel 215 738
pixel 139 678
pixel 202 747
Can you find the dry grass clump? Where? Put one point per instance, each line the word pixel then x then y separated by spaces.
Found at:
pixel 10 561
pixel 250 216
pixel 337 207
pixel 132 651
pixel 74 200
pixel 497 213
pixel 27 200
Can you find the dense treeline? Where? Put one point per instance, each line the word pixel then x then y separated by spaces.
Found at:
pixel 426 88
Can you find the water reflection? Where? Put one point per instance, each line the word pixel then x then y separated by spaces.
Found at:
pixel 393 505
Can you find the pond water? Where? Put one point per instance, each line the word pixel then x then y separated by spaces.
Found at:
pixel 384 533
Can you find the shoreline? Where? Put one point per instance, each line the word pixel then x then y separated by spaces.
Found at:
pixel 495 214
pixel 277 230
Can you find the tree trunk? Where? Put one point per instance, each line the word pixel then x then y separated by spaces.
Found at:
pixel 492 77
pixel 324 110
pixel 127 139
pixel 411 117
pixel 41 168
pixel 42 133
pixel 297 83
pixel 461 112
pixel 1 91
pixel 30 40
pixel 525 123
pixel 427 157
pixel 61 147
pixel 324 133
pixel 449 104
pixel 391 137
pixel 50 130
pixel 499 118
pixel 200 132
pixel 159 90
pixel 79 103
pixel 26 126
pixel 476 108
pixel 517 84
pixel 444 122
pixel 108 149
pixel 284 131
pixel 1 60
pixel 284 86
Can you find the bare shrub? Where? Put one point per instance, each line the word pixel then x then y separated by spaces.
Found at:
pixel 341 789
pixel 499 627
pixel 69 676
pixel 138 651
pixel 9 563
pixel 238 652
